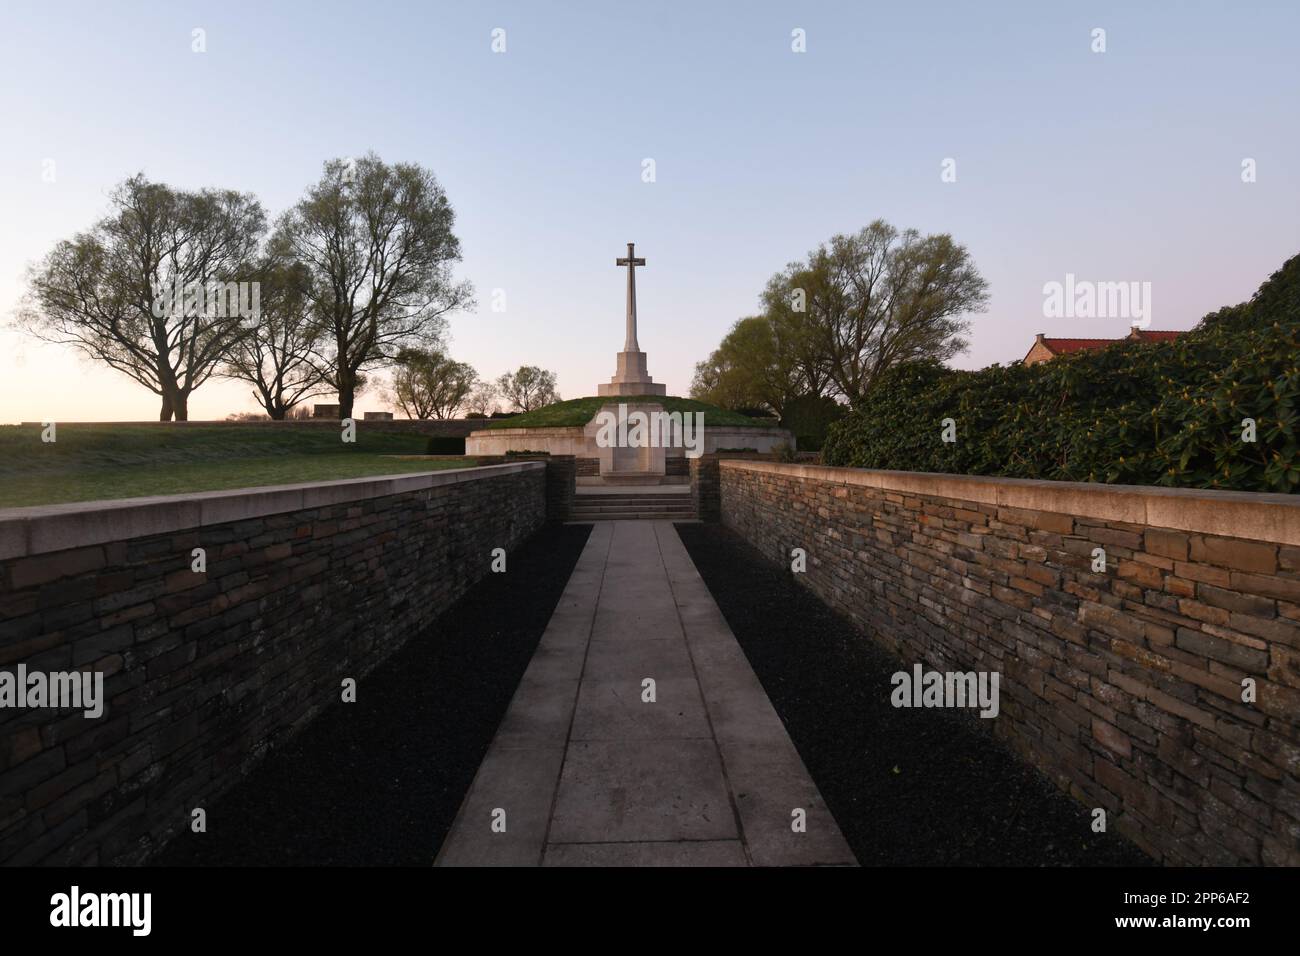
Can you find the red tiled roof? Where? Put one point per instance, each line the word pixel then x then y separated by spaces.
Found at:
pixel 1157 335
pixel 1062 346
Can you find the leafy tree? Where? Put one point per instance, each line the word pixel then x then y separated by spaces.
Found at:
pixel 834 322
pixel 748 369
pixel 429 384
pixel 874 299
pixel 154 288
pixel 378 247
pixel 528 388
pixel 279 356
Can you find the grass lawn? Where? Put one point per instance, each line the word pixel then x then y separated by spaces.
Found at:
pixel 579 411
pixel 96 462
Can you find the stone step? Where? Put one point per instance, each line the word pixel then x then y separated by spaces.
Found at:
pixel 631 477
pixel 583 518
pixel 596 499
pixel 633 506
pixel 636 506
pixel 633 516
pixel 635 503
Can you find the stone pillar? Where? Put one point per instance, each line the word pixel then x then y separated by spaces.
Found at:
pixel 705 487
pixel 561 482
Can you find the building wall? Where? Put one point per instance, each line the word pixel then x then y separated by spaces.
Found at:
pixel 205 672
pixel 581 442
pixel 1039 353
pixel 1125 687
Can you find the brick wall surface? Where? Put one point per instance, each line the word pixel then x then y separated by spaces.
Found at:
pixel 561 479
pixel 206 672
pixel 1125 687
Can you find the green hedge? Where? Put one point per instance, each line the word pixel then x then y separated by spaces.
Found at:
pixel 1146 413
pixel 809 418
pixel 445 445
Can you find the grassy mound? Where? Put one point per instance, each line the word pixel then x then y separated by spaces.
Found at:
pixel 577 412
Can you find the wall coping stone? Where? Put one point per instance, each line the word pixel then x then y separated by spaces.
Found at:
pixel 41 529
pixel 541 430
pixel 1259 516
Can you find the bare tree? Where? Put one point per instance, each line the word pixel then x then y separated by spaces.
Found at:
pixel 159 289
pixel 528 388
pixel 482 400
pixel 279 356
pixel 378 246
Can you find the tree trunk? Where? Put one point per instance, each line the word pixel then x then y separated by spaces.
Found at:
pixel 180 404
pixel 166 414
pixel 347 389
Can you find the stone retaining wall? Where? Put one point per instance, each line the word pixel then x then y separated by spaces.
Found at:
pixel 1124 686
pixel 206 671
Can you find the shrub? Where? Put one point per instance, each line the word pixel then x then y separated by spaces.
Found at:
pixel 1166 413
pixel 808 418
pixel 446 445
pixel 783 452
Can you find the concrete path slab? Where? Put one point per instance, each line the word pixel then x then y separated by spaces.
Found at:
pixel 589 768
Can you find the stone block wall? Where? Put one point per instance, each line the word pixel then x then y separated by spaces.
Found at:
pixel 206 671
pixel 705 480
pixel 561 479
pixel 1125 686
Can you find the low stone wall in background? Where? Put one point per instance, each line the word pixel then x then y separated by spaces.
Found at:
pixel 205 671
pixel 1124 686
pixel 444 427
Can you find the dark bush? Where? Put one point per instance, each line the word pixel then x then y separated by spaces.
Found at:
pixel 446 445
pixel 1163 413
pixel 754 411
pixel 809 418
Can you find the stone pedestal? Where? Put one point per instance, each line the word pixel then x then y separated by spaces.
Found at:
pixel 639 464
pixel 631 378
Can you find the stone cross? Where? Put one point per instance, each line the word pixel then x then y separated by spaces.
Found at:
pixel 631 261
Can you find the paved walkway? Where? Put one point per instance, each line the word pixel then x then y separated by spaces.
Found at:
pixel 589 774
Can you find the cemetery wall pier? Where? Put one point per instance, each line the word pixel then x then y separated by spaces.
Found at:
pixel 1124 686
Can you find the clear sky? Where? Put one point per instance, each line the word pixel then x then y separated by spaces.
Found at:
pixel 1115 166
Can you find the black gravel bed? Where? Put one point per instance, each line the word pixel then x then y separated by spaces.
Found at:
pixel 378 782
pixel 908 786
